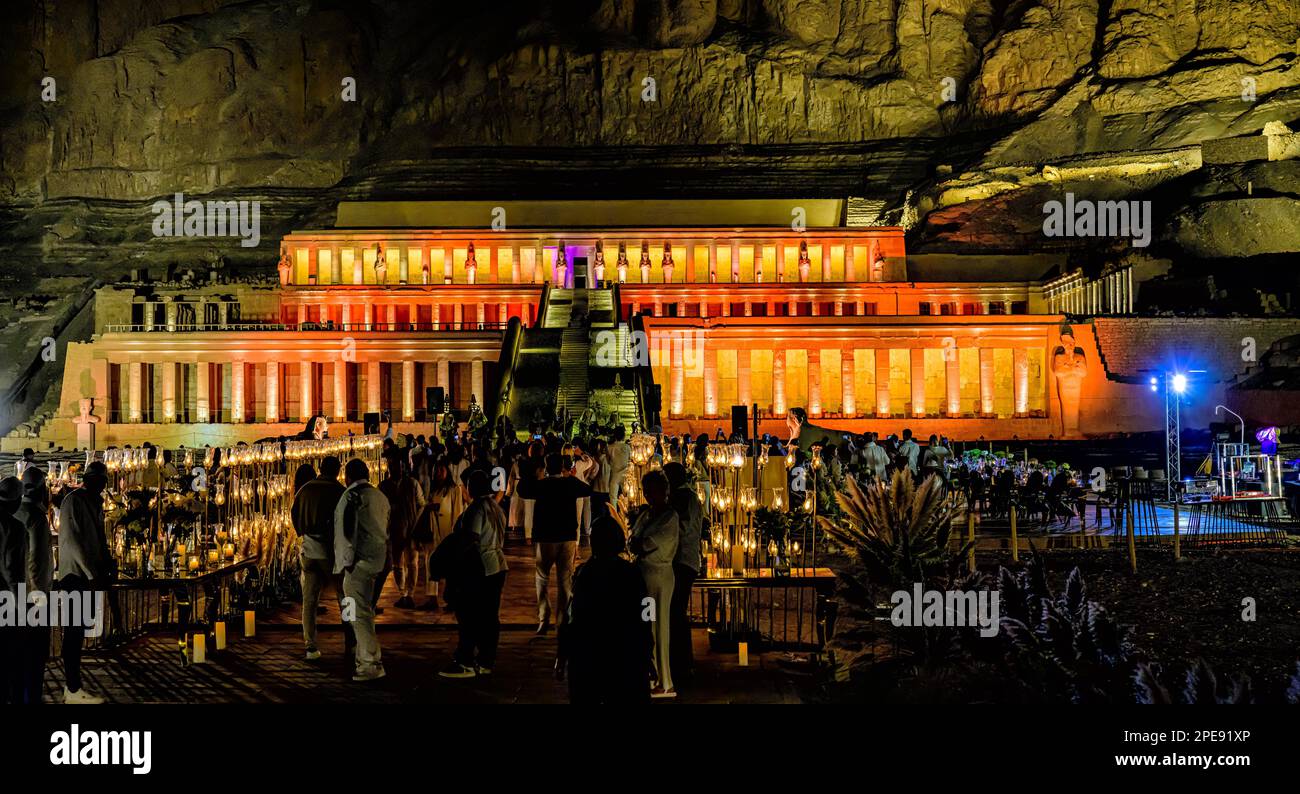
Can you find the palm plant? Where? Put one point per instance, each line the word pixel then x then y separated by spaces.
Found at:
pixel 898 530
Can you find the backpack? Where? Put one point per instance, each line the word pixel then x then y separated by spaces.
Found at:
pixel 457 556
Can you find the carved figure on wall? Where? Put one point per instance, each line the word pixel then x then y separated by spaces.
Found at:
pixel 621 264
pixel 285 266
pixel 645 264
pixel 381 264
pixel 598 265
pixel 1070 367
pixel 668 263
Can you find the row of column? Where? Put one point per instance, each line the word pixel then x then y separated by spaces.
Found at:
pixel 370 314
pixel 608 260
pixel 171 314
pixel 951 403
pixel 1111 294
pixel 859 308
pixel 239 398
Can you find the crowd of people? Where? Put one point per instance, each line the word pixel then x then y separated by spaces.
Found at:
pixel 437 524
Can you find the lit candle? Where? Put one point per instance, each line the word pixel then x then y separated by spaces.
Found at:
pixel 212 556
pixel 180 549
pixel 250 623
pixel 221 634
pixel 229 551
pixel 200 648
pixel 744 654
pixel 193 564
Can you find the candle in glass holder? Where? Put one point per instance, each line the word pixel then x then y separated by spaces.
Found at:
pixel 228 551
pixel 200 648
pixel 212 556
pixel 250 623
pixel 193 564
pixel 220 631
pixel 744 654
pixel 180 549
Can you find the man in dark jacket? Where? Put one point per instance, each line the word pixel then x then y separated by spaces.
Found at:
pixel 686 567
pixel 85 565
pixel 13 578
pixel 313 520
pixel 606 641
pixel 555 532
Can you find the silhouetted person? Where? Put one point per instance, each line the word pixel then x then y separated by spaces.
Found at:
pixel 606 643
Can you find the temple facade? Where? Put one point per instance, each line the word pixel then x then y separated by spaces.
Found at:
pixel 367 320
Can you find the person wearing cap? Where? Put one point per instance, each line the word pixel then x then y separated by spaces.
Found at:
pixel 34 515
pixel 475 584
pixel 13 577
pixel 360 554
pixel 85 565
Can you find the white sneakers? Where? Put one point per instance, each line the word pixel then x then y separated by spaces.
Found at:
pixel 312 654
pixel 369 673
pixel 80 696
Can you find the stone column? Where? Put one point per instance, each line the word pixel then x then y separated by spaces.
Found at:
pixel 345 316
pixel 147 312
pixel 448 263
pixel 476 379
pixel 826 261
pixel 847 396
pixel 134 376
pixel 539 262
pixel 237 391
pixel 302 314
pixel 814 381
pixel 677 374
pixel 358 265
pixel 403 265
pixel 223 314
pixel 713 261
pixel 272 391
pixel 391 316
pixel 201 388
pixel 690 261
pixel 304 381
pixel 849 274
pixel 444 375
pixel 408 391
pixel 515 265
pixel 952 379
pixel 986 380
pixel 482 314
pixel 778 382
pixel 882 382
pixel 918 381
pixel 171 310
pixel 336 265
pixel 735 262
pixel 340 391
pixel 1021 381
pixel 758 263
pixel 369 322
pixel 169 390
pixel 710 380
pixel 372 387
pixel 457 316
pixel 780 261
pixel 744 391
pixel 494 264
pixel 435 316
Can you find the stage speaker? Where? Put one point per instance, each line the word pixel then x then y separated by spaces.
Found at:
pixel 740 421
pixel 434 400
pixel 370 424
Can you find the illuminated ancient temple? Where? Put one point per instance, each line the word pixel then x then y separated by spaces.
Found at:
pixel 532 307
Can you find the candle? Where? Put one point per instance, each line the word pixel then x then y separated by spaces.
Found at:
pixel 180 549
pixel 212 556
pixel 221 634
pixel 229 551
pixel 193 564
pixel 250 623
pixel 744 654
pixel 200 648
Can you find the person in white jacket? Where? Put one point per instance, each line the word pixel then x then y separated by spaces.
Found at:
pixel 360 551
pixel 655 536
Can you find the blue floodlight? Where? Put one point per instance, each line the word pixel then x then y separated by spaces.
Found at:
pixel 1180 383
pixel 1154 384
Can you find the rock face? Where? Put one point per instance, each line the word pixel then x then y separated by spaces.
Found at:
pixel 207 95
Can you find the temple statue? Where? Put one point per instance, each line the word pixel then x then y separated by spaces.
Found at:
pixel 667 263
pixel 621 264
pixel 1070 366
pixel 471 264
pixel 285 266
pixel 86 423
pixel 805 264
pixel 598 264
pixel 645 264
pixel 426 274
pixel 381 264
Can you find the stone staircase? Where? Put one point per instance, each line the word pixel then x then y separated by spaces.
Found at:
pixel 575 351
